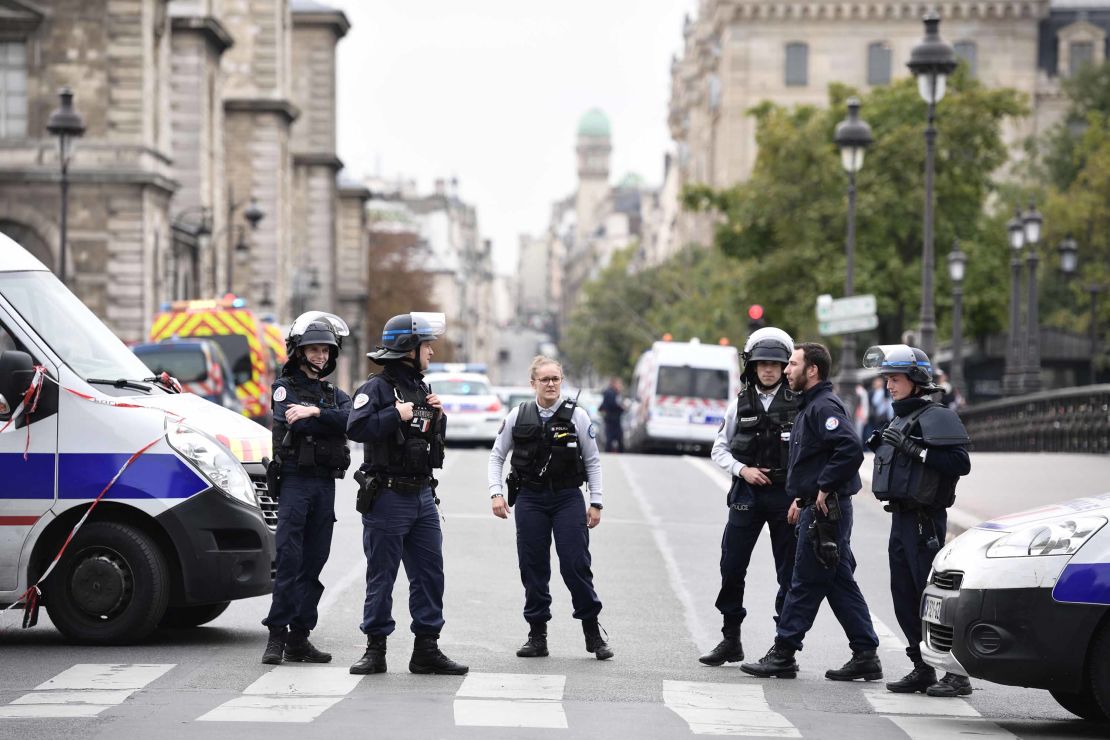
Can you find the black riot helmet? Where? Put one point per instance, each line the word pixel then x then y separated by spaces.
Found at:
pixel 315 327
pixel 895 359
pixel 768 344
pixel 407 331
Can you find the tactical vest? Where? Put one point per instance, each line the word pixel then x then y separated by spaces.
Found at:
pixel 547 453
pixel 417 447
pixel 762 436
pixel 327 456
pixel 902 478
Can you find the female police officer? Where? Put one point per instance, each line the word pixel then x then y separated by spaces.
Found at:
pixel 554 451
pixel 310 452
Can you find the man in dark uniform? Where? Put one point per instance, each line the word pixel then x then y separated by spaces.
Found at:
pixel 919 457
pixel 612 410
pixel 402 425
pixel 823 475
pixel 310 452
pixel 753 444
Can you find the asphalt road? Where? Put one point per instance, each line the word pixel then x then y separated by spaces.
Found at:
pixel 655 560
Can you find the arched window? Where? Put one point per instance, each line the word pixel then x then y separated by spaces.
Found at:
pixel 797 65
pixel 965 52
pixel 878 63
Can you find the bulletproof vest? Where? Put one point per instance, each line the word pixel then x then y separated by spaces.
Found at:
pixel 762 436
pixel 326 455
pixel 547 452
pixel 417 447
pixel 904 478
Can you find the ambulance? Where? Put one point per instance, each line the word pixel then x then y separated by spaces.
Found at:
pixel 682 390
pixel 254 348
pixel 124 504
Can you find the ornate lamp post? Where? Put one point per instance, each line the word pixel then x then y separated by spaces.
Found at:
pixel 957 264
pixel 1069 256
pixel 1031 225
pixel 1012 380
pixel 67 124
pixel 253 214
pixel 931 61
pixel 1069 263
pixel 853 136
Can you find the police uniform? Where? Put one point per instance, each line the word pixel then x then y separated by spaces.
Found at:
pixel 309 455
pixel 825 455
pixel 554 451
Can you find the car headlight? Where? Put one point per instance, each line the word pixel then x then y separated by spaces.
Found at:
pixel 1059 537
pixel 213 460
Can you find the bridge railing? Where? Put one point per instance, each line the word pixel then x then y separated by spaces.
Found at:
pixel 1062 420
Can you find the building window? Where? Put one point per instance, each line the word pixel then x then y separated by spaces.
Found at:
pixel 965 52
pixel 1080 54
pixel 13 89
pixel 797 64
pixel 878 63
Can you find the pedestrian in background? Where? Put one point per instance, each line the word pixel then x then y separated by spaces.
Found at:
pixel 612 410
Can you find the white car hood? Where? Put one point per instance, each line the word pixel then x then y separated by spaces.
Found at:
pixel 249 441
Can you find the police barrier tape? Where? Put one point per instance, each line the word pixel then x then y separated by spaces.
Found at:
pixel 30 597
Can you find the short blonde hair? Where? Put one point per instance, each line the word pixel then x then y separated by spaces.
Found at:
pixel 539 361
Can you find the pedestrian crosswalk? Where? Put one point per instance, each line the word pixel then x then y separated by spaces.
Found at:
pixel 287 694
pixel 84 690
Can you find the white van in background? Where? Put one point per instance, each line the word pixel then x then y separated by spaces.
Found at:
pixel 682 390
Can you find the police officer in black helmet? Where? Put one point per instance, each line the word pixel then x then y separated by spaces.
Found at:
pixel 402 425
pixel 753 444
pixel 919 456
pixel 310 453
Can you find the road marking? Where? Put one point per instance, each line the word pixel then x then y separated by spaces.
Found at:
pixel 725 709
pixel 511 700
pixel 934 728
pixel 287 694
pixel 887 702
pixel 887 639
pixel 84 690
pixel 720 477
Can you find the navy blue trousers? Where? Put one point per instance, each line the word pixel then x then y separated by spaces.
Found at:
pixel 538 516
pixel 614 436
pixel 766 505
pixel 813 583
pixel 911 556
pixel 403 527
pixel 306 516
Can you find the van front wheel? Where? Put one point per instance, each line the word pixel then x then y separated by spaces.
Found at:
pixel 111 586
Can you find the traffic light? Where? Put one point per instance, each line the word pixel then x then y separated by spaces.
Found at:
pixel 755 317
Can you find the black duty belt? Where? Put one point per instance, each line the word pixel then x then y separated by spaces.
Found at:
pixel 403 484
pixel 550 484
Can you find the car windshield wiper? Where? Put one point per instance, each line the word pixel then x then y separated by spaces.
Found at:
pixel 121 383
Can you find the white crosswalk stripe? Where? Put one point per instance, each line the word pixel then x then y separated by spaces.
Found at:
pixel 943 728
pixel 511 700
pixel 84 690
pixel 287 694
pixel 725 709
pixel 887 702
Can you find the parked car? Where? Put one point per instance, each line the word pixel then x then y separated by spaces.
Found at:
pixel 474 412
pixel 512 395
pixel 198 364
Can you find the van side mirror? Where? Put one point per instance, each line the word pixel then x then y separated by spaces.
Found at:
pixel 17 370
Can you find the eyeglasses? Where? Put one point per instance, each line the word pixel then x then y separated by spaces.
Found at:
pixel 548 381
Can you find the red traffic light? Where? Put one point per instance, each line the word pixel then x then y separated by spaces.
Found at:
pixel 755 312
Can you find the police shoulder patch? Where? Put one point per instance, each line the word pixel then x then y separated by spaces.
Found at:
pixel 360 400
pixel 279 393
pixel 502 427
pixel 832 423
pixel 593 431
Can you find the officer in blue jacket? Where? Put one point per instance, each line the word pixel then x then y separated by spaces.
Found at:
pixel 919 456
pixel 823 475
pixel 310 453
pixel 402 426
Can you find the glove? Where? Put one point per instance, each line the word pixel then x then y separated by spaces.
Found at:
pixel 874 440
pixel 896 438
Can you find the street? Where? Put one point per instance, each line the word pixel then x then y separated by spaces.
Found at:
pixel 655 562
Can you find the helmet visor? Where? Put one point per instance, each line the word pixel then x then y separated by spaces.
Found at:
pixel 302 322
pixel 427 325
pixel 898 358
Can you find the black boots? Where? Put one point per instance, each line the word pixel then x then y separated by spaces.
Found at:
pixel 864 664
pixel 275 646
pixel 918 680
pixel 729 650
pixel 299 650
pixel 427 658
pixel 373 660
pixel 595 643
pixel 777 663
pixel 951 686
pixel 536 646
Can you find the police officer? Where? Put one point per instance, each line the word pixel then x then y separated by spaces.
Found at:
pixel 753 444
pixel 823 475
pixel 919 456
pixel 402 425
pixel 612 411
pixel 554 451
pixel 310 453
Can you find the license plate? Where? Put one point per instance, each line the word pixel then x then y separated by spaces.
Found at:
pixel 932 609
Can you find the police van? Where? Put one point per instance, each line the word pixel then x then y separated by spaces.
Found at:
pixel 1024 600
pixel 682 390
pixel 182 525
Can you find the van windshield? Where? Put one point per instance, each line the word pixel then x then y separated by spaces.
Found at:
pixel 238 354
pixel 692 382
pixel 69 328
pixel 184 363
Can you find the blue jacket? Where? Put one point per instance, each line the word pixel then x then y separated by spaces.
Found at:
pixel 825 453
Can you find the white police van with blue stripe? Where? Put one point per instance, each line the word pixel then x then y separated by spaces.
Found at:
pixel 176 537
pixel 1024 600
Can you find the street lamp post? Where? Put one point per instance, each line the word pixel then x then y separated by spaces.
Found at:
pixel 931 61
pixel 1094 289
pixel 1069 263
pixel 853 136
pixel 1031 223
pixel 957 264
pixel 67 124
pixel 1012 380
pixel 236 239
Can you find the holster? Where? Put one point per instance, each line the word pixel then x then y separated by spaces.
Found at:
pixel 823 533
pixel 273 478
pixel 512 485
pixel 369 488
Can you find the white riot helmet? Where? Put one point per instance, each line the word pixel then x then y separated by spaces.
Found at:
pixel 768 344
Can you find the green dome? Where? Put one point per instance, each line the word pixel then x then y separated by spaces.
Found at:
pixel 593 123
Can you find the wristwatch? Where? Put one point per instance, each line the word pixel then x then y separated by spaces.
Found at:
pixel 496 495
pixel 599 507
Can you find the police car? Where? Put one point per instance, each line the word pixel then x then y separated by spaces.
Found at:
pixel 1024 600
pixel 474 412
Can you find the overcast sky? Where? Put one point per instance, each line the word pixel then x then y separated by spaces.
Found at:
pixel 490 91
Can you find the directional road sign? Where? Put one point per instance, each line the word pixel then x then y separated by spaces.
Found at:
pixel 846 315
